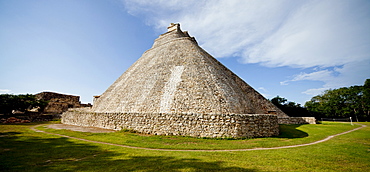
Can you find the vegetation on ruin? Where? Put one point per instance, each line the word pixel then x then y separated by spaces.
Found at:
pixel 21 103
pixel 22 149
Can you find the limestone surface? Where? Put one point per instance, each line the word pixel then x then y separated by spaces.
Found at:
pixel 177 88
pixel 178 76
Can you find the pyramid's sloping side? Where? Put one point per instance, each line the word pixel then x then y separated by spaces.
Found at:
pixel 176 75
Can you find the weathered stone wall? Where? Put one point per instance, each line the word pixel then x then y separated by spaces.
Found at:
pixel 59 103
pixel 296 120
pixel 196 125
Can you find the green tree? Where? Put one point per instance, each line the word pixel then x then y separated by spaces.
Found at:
pixel 365 102
pixel 342 102
pixel 290 108
pixel 279 101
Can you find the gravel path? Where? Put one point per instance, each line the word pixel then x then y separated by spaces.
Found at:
pixel 86 129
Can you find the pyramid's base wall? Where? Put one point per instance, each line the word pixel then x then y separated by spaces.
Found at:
pixel 196 125
pixel 297 120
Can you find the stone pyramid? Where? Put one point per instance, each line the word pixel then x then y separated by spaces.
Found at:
pixel 178 76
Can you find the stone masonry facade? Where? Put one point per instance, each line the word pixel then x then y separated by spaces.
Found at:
pixel 195 125
pixel 177 76
pixel 297 120
pixel 177 88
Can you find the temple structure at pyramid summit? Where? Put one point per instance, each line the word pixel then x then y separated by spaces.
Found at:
pixel 177 88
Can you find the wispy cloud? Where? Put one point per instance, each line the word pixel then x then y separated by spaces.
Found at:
pixel 4 91
pixel 262 89
pixel 276 33
pixel 354 72
pixel 264 92
pixel 321 75
pixel 318 33
pixel 331 35
pixel 315 91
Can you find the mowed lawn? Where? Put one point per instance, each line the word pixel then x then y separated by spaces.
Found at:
pixel 22 149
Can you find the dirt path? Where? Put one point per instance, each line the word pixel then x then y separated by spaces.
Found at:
pixel 86 129
pixel 79 128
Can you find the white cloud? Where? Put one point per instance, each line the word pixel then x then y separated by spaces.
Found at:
pixel 223 27
pixel 274 33
pixel 330 35
pixel 4 91
pixel 319 33
pixel 314 91
pixel 262 89
pixel 348 74
pixel 321 75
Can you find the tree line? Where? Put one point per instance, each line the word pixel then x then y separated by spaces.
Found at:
pixel 343 102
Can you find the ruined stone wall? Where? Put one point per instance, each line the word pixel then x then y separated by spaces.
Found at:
pixel 196 125
pixel 59 103
pixel 297 120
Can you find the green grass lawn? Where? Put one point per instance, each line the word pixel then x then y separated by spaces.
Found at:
pixel 290 135
pixel 22 149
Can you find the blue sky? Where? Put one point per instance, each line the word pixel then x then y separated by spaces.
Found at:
pixel 294 49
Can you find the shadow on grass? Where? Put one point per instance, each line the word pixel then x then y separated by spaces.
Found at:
pixel 8 134
pixel 161 163
pixel 291 131
pixel 22 152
